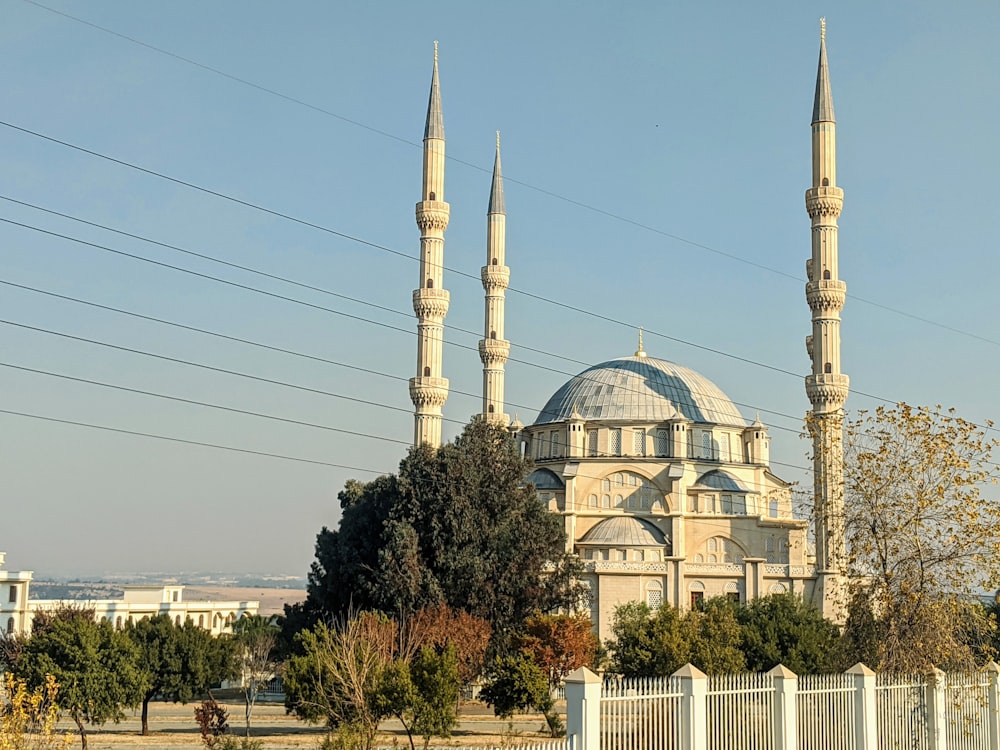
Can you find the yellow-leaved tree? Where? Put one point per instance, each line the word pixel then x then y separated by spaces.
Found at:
pixel 922 540
pixel 28 718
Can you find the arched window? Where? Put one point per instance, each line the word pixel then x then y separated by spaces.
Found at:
pixel 619 501
pixel 430 283
pixel 713 545
pixel 654 594
pixel 592 501
pixel 490 409
pixel 427 372
pixel 778 588
pixel 432 196
pixel 619 480
pixel 733 592
pixel 10 626
pixel 493 334
pixel 772 508
pixel 605 501
pixel 201 621
pixel 706 444
pixel 826 274
pixel 662 443
pixel 177 620
pixel 606 485
pixel 826 182
pixel 495 262
pixel 118 622
pixel 697 591
pixel 828 368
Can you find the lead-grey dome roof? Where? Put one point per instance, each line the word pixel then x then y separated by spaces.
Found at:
pixel 641 389
pixel 625 531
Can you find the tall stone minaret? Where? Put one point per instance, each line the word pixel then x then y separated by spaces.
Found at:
pixel 826 386
pixel 494 349
pixel 428 390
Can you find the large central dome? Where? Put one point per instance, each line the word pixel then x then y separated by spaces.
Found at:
pixel 641 389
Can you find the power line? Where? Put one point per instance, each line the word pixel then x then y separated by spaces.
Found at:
pixel 486 170
pixel 246 287
pixel 377 246
pixel 206 404
pixel 137 433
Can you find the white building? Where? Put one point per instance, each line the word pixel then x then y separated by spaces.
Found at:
pixel 17 611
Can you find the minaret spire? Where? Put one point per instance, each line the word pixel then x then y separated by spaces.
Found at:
pixel 429 390
pixel 826 386
pixel 493 348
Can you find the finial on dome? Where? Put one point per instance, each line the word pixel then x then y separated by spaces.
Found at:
pixel 640 352
pixel 576 416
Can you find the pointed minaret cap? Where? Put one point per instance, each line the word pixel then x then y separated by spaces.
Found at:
pixel 496 191
pixel 516 425
pixel 823 103
pixel 640 352
pixel 434 127
pixel 576 416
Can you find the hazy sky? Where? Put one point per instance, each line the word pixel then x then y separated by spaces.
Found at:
pixel 656 156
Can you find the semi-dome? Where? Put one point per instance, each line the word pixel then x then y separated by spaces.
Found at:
pixel 640 389
pixel 624 531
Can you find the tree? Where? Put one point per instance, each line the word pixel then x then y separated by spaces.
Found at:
pixel 256 639
pixel 783 629
pixel 338 671
pixel 422 693
pixel 559 644
pixel 29 718
pixel 96 666
pixel 441 626
pixel 515 683
pixel 921 539
pixel 415 539
pixel 180 662
pixel 656 643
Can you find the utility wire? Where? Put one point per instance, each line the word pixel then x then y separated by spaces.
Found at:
pixel 137 433
pixel 206 404
pixel 261 415
pixel 487 170
pixel 246 287
pixel 367 243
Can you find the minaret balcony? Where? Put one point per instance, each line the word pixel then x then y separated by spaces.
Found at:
pixel 495 277
pixel 494 351
pixel 428 391
pixel 433 215
pixel 826 294
pixel 824 201
pixel 827 391
pixel 431 303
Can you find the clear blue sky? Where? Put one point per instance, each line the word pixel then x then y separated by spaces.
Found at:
pixel 634 137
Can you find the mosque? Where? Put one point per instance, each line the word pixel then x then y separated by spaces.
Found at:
pixel 665 489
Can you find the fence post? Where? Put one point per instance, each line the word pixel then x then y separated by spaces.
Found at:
pixel 934 697
pixel 784 721
pixel 865 710
pixel 693 708
pixel 993 715
pixel 583 709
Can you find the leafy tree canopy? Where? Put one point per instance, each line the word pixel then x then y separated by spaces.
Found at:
pixel 921 538
pixel 458 525
pixel 783 629
pixel 179 662
pixel 96 667
pixel 657 642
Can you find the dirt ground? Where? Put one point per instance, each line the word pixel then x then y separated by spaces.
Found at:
pixel 172 726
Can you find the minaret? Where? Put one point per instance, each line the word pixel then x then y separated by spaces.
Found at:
pixel 826 386
pixel 494 349
pixel 428 390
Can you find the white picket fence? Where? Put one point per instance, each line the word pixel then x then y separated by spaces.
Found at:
pixel 779 710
